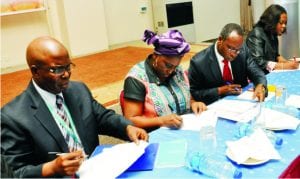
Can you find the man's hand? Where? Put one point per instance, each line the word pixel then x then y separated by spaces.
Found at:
pixel 135 134
pixel 230 89
pixel 259 92
pixel 66 164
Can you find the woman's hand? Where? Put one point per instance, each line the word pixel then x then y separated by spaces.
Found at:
pixel 171 121
pixel 198 107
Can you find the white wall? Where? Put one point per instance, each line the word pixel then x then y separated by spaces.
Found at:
pixel 80 25
pixel 258 7
pixel 86 26
pixel 16 32
pixel 212 15
pixel 124 20
pixel 160 16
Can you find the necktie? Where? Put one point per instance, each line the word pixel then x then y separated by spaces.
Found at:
pixel 72 144
pixel 60 109
pixel 226 72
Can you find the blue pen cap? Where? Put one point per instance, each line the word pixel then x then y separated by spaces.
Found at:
pixel 237 174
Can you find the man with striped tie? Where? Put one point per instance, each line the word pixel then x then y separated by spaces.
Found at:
pixel 55 114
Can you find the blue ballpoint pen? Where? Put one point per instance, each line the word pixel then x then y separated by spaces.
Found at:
pixel 229 83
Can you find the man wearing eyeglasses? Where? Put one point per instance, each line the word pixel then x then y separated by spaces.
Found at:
pixel 224 69
pixel 49 129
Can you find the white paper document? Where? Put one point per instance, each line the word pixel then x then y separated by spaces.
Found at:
pixel 248 95
pixel 235 110
pixel 112 162
pixel 293 100
pixel 194 123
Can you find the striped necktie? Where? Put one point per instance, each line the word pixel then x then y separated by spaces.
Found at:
pixel 72 144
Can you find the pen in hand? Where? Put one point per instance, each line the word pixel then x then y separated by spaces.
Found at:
pixel 228 83
pixel 61 153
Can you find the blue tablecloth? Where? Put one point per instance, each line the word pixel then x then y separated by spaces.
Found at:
pixel 226 130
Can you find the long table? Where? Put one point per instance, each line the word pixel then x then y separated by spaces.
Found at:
pixel 226 130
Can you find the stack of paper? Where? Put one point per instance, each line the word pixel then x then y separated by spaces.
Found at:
pixel 111 162
pixel 248 95
pixel 193 122
pixel 235 110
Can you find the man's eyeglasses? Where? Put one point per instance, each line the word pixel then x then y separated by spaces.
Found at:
pixel 59 69
pixel 233 50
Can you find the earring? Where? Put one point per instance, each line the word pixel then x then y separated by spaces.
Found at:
pixel 154 64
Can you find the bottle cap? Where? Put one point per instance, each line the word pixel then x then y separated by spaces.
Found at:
pixel 278 141
pixel 237 174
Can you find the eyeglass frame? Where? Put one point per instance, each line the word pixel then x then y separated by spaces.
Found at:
pixel 233 50
pixel 58 69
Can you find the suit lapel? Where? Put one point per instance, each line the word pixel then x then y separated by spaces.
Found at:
pixel 236 69
pixel 214 65
pixel 46 119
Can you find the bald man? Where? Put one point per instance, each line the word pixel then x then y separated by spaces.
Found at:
pixel 55 115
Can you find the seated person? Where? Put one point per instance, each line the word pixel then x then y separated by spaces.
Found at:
pixel 262 41
pixel 55 114
pixel 156 91
pixel 224 68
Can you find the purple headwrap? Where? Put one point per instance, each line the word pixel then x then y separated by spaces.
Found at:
pixel 169 43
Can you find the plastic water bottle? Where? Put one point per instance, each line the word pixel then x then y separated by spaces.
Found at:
pixel 246 129
pixel 208 166
pixel 208 135
pixel 275 140
pixel 208 139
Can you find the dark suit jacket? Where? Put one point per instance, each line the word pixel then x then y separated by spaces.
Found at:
pixel 205 74
pixel 29 132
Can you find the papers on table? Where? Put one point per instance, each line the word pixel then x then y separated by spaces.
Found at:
pixel 111 162
pixel 293 100
pixel 256 146
pixel 193 122
pixel 248 95
pixel 171 154
pixel 235 110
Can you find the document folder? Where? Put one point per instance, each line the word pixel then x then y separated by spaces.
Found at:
pixel 145 162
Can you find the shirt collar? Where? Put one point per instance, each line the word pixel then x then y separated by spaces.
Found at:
pixel 48 97
pixel 218 55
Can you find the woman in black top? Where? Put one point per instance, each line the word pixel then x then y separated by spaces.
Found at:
pixel 263 41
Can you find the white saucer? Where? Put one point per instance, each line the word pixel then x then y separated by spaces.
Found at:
pixel 276 129
pixel 250 161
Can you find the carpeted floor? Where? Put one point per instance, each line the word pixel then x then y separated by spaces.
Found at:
pixel 102 72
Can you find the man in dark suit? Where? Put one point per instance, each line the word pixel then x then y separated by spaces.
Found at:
pixel 210 81
pixel 55 115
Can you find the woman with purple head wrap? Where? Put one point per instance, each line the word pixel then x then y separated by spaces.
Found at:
pixel 156 91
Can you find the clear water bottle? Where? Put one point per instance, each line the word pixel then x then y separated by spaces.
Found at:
pixel 208 139
pixel 275 140
pixel 246 129
pixel 207 165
